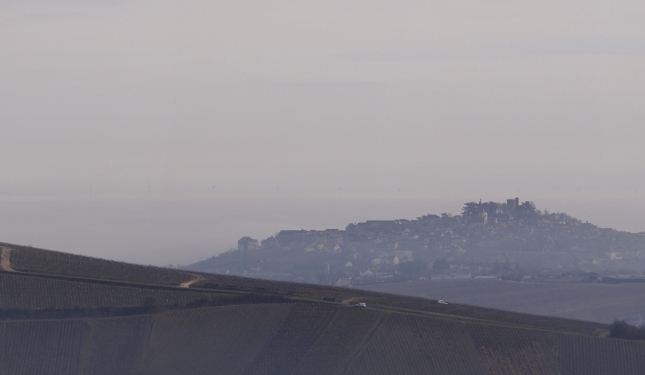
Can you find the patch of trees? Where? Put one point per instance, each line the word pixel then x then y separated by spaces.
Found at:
pixel 622 330
pixel 472 208
pixel 525 210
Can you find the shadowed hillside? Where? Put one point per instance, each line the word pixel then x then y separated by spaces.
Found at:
pixel 303 339
pixel 57 322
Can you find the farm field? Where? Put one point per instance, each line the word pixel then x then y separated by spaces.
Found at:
pixel 31 259
pixel 317 292
pixel 304 339
pixel 226 338
pixel 23 292
pixel 53 321
pixel 79 292
pixel 583 301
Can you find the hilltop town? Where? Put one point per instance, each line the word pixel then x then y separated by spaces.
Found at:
pixel 512 240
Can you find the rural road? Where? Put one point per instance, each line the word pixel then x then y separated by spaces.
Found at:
pixel 5 262
pixel 182 285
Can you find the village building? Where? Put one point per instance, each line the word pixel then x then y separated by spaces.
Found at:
pixel 247 243
pixel 393 259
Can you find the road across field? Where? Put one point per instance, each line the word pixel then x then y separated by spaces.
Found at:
pixel 584 301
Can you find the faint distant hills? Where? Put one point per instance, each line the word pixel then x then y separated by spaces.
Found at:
pixel 510 239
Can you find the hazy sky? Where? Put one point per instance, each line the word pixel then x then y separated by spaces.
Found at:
pixel 165 107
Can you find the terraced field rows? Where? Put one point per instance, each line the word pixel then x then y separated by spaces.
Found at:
pixel 302 339
pixel 23 292
pixel 38 347
pixel 298 333
pixel 30 259
pixel 408 344
pixel 114 346
pixel 512 351
pixel 222 340
pixel 336 346
pixel 585 356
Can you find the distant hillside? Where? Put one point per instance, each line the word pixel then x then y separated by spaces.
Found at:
pixel 56 322
pixel 504 240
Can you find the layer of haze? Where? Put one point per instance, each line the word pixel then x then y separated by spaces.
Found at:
pixel 162 131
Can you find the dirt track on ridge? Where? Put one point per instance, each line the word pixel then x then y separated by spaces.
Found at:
pixel 188 283
pixel 5 262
